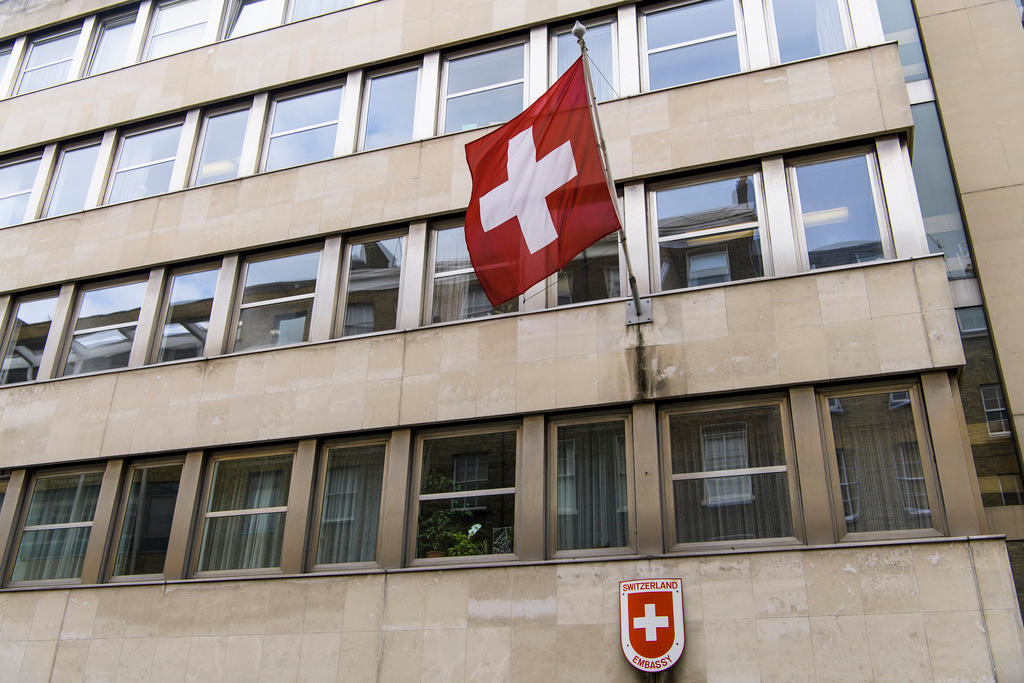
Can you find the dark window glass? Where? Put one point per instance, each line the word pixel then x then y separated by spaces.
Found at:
pixel 592 488
pixel 146 528
pixel 351 504
pixel 592 274
pixel 105 328
pixel 188 315
pixel 277 301
pixel 30 327
pixel 899 24
pixel 371 302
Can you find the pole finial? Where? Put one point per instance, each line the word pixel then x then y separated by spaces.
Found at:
pixel 578 30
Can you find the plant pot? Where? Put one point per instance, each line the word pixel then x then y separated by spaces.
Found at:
pixel 435 553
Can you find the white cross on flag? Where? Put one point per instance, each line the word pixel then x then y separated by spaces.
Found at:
pixel 540 194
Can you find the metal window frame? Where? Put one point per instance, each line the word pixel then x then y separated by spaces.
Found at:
pixel 24 68
pixel 940 523
pixel 102 25
pixel 551 526
pixel 164 304
pixel 24 159
pixel 316 516
pixel 135 132
pixel 1002 400
pixel 7 323
pixel 364 105
pixel 447 59
pixel 69 333
pixel 413 506
pixel 268 134
pixel 154 14
pixel 233 9
pixel 341 304
pixel 193 175
pixel 54 175
pixel 779 401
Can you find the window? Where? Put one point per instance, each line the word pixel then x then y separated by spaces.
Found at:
pixel 591 485
pixel 484 88
pixel 47 61
pixel 146 519
pixel 30 325
pixel 452 523
pixel 303 128
pixel 841 211
pixel 389 105
pixel 5 57
pixel 57 526
pixel 808 28
pixel 971 321
pixel 104 328
pixel 350 507
pixel 900 24
pixel 456 293
pixel 882 482
pixel 176 26
pixel 111 48
pixel 996 415
pixel 243 522
pixel 730 478
pixel 69 188
pixel 220 146
pixel 187 316
pixel 277 301
pixel 16 180
pixel 708 232
pixel 592 274
pixel 692 42
pixel 249 16
pixel 937 194
pixel 600 39
pixel 303 9
pixel 372 285
pixel 145 161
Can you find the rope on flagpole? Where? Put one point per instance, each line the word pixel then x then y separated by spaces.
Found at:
pixel 578 30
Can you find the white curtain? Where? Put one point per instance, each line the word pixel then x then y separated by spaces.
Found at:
pixel 592 490
pixel 351 507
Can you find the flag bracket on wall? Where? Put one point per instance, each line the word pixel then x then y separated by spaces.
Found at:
pixel 637 317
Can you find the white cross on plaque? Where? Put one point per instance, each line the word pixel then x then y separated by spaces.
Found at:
pixel 524 194
pixel 650 622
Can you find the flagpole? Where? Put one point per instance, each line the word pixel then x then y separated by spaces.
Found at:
pixel 578 30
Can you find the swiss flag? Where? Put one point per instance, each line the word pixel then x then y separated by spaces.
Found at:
pixel 540 195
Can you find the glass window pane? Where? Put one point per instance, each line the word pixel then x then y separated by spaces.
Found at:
pixel 807 28
pixel 177 26
pixel 390 108
pixel 188 315
pixel 110 305
pixel 592 274
pixel 5 57
pixel 706 205
pixel 839 215
pixel 65 499
pixel 105 349
pixel 274 324
pixel 16 181
pixel 351 504
pixel 602 58
pixel 484 108
pixel 696 62
pixel 485 69
pixel 371 303
pixel 303 9
pixel 141 182
pixel 469 463
pixel 881 477
pixel 51 554
pixel 690 22
pixel 48 62
pixel 304 147
pixel 280 277
pixel 145 163
pixel 450 251
pixel 937 194
pixel 899 23
pixel 71 180
pixel 459 297
pixel 149 147
pixel 222 147
pixel 592 488
pixel 250 483
pixel 28 337
pixel 95 351
pixel 111 48
pixel 762 512
pixel 254 15
pixel 146 528
pixel 306 110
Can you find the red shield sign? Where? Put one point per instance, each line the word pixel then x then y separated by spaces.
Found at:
pixel 651 622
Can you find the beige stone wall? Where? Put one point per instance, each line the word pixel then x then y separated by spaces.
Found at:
pixel 915 612
pixel 19 16
pixel 847 96
pixel 856 323
pixel 975 51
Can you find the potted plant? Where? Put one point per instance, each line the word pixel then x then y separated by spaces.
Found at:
pixel 463 543
pixel 435 534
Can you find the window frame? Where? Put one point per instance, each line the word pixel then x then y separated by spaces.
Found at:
pixel 51 184
pixel 563 29
pixel 364 101
pixel 41 40
pixel 415 482
pixel 153 353
pixel 318 497
pixel 243 270
pixel 551 513
pixel 201 513
pixel 14 161
pixel 845 21
pixel 69 332
pixel 275 98
pixel 7 325
pixel 341 305
pixel 645 54
pixel 1001 396
pixel 444 95
pixel 232 10
pixel 123 135
pixel 755 172
pixel 870 153
pixel 147 42
pixel 780 401
pixel 102 24
pixel 924 445
pixel 119 517
pixel 22 518
pixel 197 149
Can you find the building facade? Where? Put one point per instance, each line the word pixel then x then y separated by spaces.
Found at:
pixel 258 421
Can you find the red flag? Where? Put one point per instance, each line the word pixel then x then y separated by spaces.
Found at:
pixel 540 195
